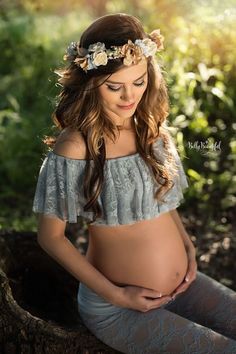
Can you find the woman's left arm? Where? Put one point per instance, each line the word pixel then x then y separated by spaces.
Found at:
pixel 191 254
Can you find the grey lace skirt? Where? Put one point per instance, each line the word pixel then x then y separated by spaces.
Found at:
pixel 202 320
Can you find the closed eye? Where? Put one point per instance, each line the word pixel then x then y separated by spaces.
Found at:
pixel 139 83
pixel 112 88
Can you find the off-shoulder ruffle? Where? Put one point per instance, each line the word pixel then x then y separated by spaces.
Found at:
pixel 127 195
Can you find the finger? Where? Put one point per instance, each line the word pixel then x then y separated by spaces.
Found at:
pixel 160 302
pixel 159 299
pixel 184 285
pixel 181 286
pixel 192 269
pixel 181 289
pixel 151 293
pixel 187 277
pixel 194 273
pixel 190 277
pixel 190 273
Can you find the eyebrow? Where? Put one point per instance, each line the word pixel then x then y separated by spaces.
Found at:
pixel 115 82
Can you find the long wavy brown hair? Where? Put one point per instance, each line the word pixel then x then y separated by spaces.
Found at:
pixel 79 107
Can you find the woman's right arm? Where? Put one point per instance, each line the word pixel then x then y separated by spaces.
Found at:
pixel 51 230
pixel 52 239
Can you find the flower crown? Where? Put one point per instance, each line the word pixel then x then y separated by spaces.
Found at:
pixel 97 54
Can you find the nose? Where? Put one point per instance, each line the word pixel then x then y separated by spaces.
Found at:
pixel 127 94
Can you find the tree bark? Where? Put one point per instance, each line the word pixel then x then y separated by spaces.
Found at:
pixel 38 304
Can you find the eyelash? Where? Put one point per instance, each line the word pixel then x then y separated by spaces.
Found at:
pixel 117 89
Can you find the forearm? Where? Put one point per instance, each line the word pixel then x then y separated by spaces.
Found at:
pixel 63 251
pixel 186 239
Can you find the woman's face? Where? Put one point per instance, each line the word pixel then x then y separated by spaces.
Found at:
pixel 123 90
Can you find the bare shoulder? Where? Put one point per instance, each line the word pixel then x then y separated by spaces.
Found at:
pixel 71 144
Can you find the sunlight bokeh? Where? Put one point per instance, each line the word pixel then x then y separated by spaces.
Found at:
pixel 198 64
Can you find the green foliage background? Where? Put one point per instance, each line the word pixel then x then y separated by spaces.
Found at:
pixel 199 67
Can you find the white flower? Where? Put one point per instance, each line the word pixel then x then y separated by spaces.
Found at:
pixel 100 58
pixel 90 64
pixel 151 46
pixel 72 49
pixel 148 47
pixel 114 52
pixel 97 47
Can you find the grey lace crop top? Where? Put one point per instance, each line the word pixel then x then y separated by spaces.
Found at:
pixel 127 195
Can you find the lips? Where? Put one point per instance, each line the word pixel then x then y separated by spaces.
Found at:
pixel 130 106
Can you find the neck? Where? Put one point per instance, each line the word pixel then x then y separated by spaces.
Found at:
pixel 128 124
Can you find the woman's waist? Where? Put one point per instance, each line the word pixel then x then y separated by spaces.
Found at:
pixel 156 238
pixel 144 229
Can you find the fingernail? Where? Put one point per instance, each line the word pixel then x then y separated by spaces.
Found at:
pixel 187 279
pixel 160 295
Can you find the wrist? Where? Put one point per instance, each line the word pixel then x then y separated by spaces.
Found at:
pixel 117 296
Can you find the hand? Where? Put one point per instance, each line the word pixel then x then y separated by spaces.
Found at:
pixel 141 299
pixel 191 271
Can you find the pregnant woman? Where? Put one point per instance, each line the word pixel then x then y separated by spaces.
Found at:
pixel 116 164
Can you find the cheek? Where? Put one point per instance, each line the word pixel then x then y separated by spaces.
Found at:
pixel 112 99
pixel 141 92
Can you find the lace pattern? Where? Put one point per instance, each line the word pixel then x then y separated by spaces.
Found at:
pixel 202 320
pixel 127 195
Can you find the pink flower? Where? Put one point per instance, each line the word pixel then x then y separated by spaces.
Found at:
pixel 132 53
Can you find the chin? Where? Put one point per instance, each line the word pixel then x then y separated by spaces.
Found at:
pixel 124 113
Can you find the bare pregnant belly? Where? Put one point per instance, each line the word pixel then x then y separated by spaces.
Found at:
pixel 149 254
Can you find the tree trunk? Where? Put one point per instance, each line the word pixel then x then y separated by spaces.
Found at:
pixel 38 304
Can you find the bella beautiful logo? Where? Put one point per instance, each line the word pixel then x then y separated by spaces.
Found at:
pixel 205 147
